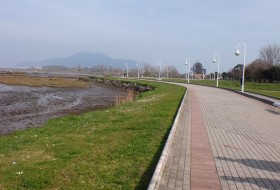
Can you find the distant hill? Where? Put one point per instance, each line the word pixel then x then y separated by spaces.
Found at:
pixel 82 59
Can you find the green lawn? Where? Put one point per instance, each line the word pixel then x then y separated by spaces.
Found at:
pixel 117 148
pixel 269 89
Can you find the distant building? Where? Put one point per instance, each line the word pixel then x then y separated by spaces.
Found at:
pixel 198 76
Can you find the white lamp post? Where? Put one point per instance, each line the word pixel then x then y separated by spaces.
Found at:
pixel 203 73
pixel 159 64
pixel 188 62
pixel 138 65
pixel 214 61
pixel 237 53
pixel 126 70
pixel 192 70
pixel 142 69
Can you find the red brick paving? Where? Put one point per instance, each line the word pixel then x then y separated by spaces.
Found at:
pixel 244 138
pixel 203 170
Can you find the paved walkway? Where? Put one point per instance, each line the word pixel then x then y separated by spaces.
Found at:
pixel 224 141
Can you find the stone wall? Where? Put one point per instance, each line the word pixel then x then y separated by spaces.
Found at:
pixel 123 84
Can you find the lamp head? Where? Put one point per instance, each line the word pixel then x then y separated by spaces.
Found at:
pixel 237 53
pixel 214 61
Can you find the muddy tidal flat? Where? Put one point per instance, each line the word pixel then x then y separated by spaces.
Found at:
pixel 23 107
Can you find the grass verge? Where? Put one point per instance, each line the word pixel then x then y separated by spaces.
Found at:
pixel 117 148
pixel 268 89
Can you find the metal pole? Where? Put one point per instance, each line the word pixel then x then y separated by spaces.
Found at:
pixel 189 71
pixel 188 62
pixel 243 75
pixel 192 71
pixel 244 63
pixel 138 65
pixel 126 70
pixel 202 73
pixel 214 61
pixel 159 64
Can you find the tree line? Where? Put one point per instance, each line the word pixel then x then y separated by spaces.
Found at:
pixel 145 70
pixel 266 68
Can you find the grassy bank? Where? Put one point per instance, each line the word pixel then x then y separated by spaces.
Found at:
pixel 269 89
pixel 117 148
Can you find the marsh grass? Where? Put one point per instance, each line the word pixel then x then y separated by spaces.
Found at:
pixel 131 95
pixel 23 79
pixel 117 148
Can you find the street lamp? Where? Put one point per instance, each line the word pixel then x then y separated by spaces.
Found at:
pixel 237 53
pixel 126 65
pixel 192 70
pixel 203 73
pixel 142 70
pixel 159 64
pixel 214 61
pixel 138 66
pixel 188 62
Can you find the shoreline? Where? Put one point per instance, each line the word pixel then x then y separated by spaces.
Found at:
pixel 31 107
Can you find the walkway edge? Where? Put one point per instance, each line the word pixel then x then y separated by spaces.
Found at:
pixel 269 102
pixel 154 184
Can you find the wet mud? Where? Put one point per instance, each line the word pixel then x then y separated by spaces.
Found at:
pixel 23 107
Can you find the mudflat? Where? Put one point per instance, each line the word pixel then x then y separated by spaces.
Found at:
pixel 23 106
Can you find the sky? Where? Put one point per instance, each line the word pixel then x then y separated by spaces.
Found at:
pixel 144 30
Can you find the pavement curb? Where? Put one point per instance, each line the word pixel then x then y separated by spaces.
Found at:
pixel 154 184
pixel 269 102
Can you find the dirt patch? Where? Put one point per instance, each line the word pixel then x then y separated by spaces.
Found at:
pixel 23 107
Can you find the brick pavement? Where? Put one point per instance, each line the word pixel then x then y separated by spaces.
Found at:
pixel 177 170
pixel 240 137
pixel 203 170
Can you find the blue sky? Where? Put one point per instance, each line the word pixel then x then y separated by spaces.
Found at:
pixel 145 30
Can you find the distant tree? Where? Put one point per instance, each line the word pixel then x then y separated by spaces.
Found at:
pixel 236 72
pixel 238 67
pixel 272 74
pixel 211 76
pixel 172 72
pixel 149 70
pixel 270 54
pixel 204 70
pixel 255 70
pixel 225 75
pixel 198 68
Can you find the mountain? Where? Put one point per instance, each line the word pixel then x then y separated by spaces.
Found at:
pixel 82 59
